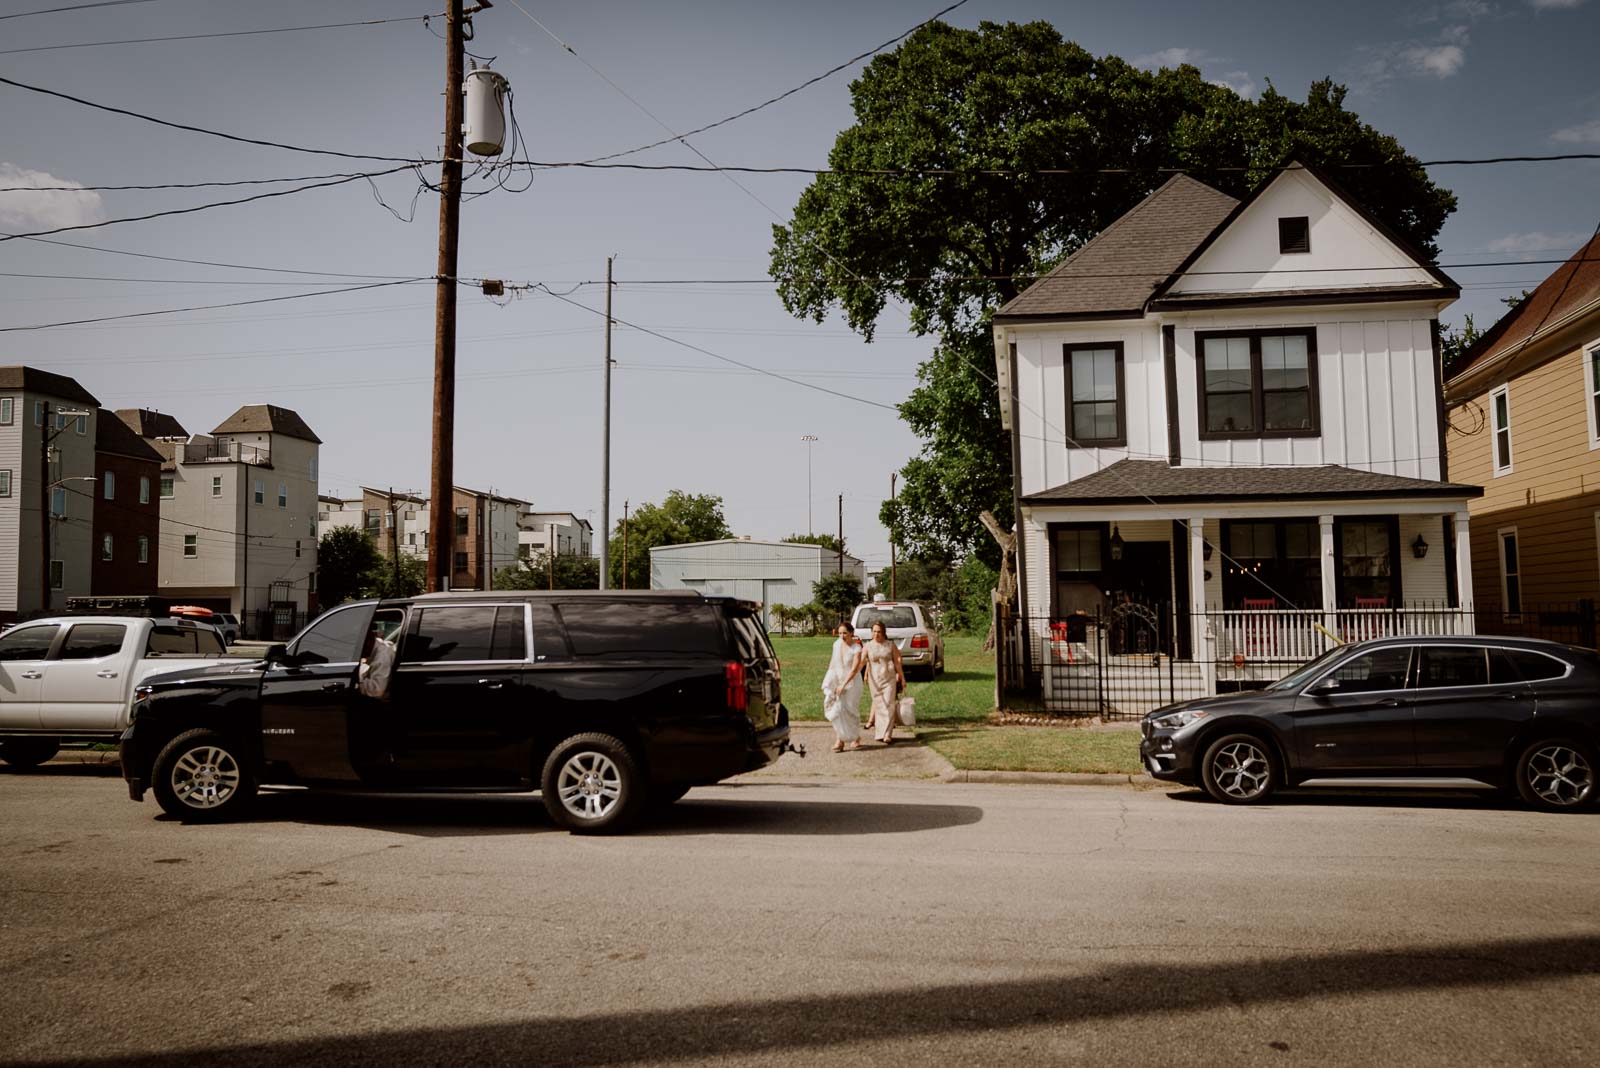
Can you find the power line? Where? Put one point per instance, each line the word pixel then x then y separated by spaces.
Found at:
pixel 202 263
pixel 209 307
pixel 203 130
pixel 197 207
pixel 183 185
pixel 153 281
pixel 71 7
pixel 852 61
pixel 209 36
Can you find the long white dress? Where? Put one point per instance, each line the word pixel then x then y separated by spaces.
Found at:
pixel 843 710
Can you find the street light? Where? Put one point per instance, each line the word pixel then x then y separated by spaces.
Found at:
pixel 810 440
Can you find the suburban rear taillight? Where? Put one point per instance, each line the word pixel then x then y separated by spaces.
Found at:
pixel 738 696
pixel 919 641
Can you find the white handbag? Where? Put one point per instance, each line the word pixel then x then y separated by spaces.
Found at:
pixel 907 712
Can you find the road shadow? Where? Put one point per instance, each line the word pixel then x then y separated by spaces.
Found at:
pixel 791 1025
pixel 849 818
pixel 65 770
pixel 1371 797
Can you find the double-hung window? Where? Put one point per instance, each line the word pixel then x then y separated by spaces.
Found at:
pixel 1257 383
pixel 1095 396
pixel 1510 571
pixel 1500 418
pixel 1591 382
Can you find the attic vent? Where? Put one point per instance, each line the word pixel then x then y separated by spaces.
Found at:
pixel 1294 234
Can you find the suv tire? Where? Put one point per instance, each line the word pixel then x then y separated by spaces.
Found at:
pixel 201 777
pixel 1240 769
pixel 591 784
pixel 23 753
pixel 1557 775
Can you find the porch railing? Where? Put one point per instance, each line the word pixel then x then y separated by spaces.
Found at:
pixel 1302 634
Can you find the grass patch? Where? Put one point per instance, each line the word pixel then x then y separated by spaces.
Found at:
pixel 963 694
pixel 1061 749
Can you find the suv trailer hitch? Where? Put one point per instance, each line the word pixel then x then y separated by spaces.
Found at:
pixel 786 746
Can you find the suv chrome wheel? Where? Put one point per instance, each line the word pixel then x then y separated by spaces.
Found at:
pixel 1556 774
pixel 201 776
pixel 205 776
pixel 589 785
pixel 1239 769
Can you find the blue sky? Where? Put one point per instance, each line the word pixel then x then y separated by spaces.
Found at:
pixel 1467 78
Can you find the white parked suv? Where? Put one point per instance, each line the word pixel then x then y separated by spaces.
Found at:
pixel 906 624
pixel 71 678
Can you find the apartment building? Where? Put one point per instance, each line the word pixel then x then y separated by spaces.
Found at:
pixel 126 547
pixel 485 534
pixel 386 515
pixel 562 532
pixel 38 408
pixel 239 509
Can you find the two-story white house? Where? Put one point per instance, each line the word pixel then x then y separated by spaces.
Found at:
pixel 1227 442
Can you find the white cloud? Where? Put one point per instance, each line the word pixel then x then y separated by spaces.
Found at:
pixel 1554 5
pixel 1440 61
pixel 1239 81
pixel 34 208
pixel 1536 241
pixel 1585 133
pixel 1173 57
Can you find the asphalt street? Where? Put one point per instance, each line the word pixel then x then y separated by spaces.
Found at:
pixel 832 922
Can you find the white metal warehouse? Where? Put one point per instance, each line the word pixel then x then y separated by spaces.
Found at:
pixel 772 572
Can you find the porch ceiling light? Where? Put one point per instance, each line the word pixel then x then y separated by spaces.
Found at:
pixel 1419 548
pixel 1116 544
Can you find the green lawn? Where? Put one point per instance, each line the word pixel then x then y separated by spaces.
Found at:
pixel 963 694
pixel 980 748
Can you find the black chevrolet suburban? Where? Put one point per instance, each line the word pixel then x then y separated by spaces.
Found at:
pixel 607 703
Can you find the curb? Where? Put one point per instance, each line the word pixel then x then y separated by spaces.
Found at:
pixel 83 756
pixel 1049 778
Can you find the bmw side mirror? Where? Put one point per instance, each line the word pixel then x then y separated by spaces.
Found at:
pixel 1326 686
pixel 277 654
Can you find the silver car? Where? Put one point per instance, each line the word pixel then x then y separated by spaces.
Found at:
pixel 907 625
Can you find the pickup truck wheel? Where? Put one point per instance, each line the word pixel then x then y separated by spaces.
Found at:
pixel 28 752
pixel 200 777
pixel 592 785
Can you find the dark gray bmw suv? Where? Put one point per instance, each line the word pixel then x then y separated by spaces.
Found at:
pixel 1497 712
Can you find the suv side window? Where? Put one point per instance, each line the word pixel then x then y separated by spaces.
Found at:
pixel 632 629
pixel 549 640
pixel 27 643
pixel 1381 669
pixel 466 633
pixel 749 636
pixel 1458 665
pixel 336 638
pixel 91 641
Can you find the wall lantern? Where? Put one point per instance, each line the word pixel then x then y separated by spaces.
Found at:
pixel 1116 544
pixel 1205 550
pixel 1419 548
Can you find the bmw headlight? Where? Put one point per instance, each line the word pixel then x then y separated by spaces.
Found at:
pixel 1177 721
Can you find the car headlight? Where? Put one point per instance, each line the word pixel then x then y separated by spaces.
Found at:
pixel 1177 721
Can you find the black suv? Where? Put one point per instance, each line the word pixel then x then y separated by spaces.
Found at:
pixel 1513 713
pixel 607 703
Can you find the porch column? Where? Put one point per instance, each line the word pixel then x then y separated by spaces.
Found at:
pixel 1466 622
pixel 1201 640
pixel 1330 576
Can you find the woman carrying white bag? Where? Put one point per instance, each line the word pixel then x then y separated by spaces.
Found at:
pixel 841 690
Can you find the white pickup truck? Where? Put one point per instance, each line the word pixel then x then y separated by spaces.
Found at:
pixel 71 678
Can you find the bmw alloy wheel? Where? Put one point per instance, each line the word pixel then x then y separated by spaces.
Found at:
pixel 1559 775
pixel 1241 770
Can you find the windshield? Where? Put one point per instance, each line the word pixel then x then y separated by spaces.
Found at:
pixel 1306 672
pixel 900 617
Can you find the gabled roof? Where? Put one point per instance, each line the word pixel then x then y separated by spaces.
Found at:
pixel 113 436
pixel 1146 481
pixel 1570 289
pixel 152 424
pixel 1119 270
pixel 33 380
pixel 267 419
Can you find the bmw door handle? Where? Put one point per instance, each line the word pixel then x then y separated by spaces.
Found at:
pixel 1510 695
pixel 332 687
pixel 33 674
pixel 492 684
pixel 105 674
pixel 1389 702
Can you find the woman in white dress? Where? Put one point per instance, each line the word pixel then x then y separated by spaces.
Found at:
pixel 841 690
pixel 886 677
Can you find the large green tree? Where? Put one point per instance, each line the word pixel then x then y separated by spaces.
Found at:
pixel 1019 98
pixel 829 542
pixel 680 518
pixel 540 572
pixel 346 556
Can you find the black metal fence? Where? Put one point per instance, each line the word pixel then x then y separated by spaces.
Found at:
pixel 1572 622
pixel 277 624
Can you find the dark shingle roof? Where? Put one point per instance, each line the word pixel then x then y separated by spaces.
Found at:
pixel 1142 481
pixel 152 424
pixel 112 435
pixel 267 419
pixel 1573 285
pixel 1119 270
pixel 34 380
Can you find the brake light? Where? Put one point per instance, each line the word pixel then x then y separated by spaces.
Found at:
pixel 738 696
pixel 919 641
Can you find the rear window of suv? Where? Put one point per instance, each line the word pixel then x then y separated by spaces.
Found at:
pixel 749 637
pixel 901 617
pixel 634 629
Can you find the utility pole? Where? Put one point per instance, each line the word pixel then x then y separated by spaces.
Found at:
pixel 441 547
pixel 624 544
pixel 605 448
pixel 809 439
pixel 488 543
pixel 394 539
pixel 551 556
pixel 45 438
pixel 841 533
pixel 892 476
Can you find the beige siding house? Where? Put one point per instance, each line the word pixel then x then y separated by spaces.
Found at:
pixel 1524 423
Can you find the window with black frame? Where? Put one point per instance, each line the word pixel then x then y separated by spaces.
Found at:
pixel 1257 384
pixel 1366 564
pixel 1094 394
pixel 1272 563
pixel 1079 570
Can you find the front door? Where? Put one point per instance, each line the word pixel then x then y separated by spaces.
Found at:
pixel 457 713
pixel 1366 722
pixel 85 685
pixel 307 701
pixel 1470 702
pixel 1140 592
pixel 22 654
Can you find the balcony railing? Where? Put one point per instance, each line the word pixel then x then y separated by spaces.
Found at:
pixel 224 452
